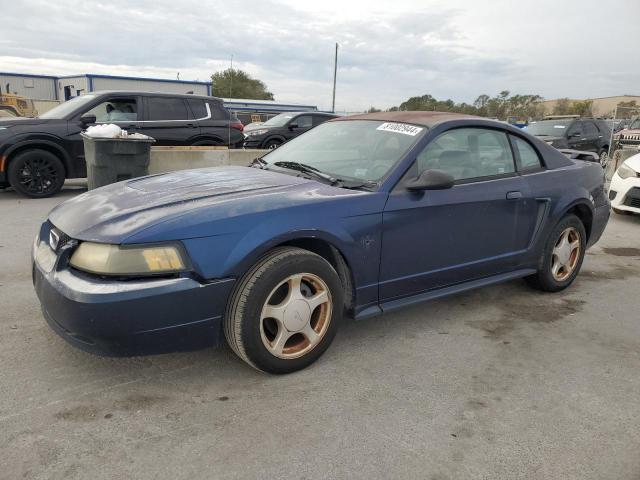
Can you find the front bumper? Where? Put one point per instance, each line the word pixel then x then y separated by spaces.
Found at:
pixel 624 193
pixel 127 318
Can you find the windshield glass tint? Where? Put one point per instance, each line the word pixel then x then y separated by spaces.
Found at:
pixel 551 128
pixel 278 120
pixel 355 149
pixel 64 109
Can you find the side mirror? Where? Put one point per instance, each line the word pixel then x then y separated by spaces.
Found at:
pixel 87 118
pixel 431 180
pixel 293 126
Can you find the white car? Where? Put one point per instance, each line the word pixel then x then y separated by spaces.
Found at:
pixel 624 191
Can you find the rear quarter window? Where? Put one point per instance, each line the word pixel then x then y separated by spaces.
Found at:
pixel 529 159
pixel 197 107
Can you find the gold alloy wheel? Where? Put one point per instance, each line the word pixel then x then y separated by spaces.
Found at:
pixel 566 254
pixel 296 316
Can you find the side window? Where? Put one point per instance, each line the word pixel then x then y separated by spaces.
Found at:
pixel 303 121
pixel 529 159
pixel 116 110
pixel 166 108
pixel 590 129
pixel 468 153
pixel 197 108
pixel 575 128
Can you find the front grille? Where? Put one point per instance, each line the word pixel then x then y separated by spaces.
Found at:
pixel 632 198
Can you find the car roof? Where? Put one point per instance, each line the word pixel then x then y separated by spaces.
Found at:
pixel 427 119
pixel 154 94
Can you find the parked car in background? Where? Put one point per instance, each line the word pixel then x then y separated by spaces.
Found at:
pixel 624 190
pixel 362 215
pixel 586 134
pixel 283 127
pixel 37 154
pixel 629 136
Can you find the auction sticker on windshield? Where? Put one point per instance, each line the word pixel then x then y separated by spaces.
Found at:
pixel 403 128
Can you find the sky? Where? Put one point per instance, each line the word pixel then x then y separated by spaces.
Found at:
pixel 389 50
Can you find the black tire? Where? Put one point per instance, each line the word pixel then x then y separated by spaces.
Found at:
pixel 244 326
pixel 36 173
pixel 603 157
pixel 272 143
pixel 544 279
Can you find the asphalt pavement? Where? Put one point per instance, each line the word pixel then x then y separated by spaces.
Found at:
pixel 499 383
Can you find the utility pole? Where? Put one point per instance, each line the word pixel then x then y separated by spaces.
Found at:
pixel 335 73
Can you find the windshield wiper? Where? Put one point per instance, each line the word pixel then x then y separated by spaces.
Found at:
pixel 258 162
pixel 355 185
pixel 308 169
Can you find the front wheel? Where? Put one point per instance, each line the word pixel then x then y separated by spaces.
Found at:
pixel 604 157
pixel 36 173
pixel 562 256
pixel 285 311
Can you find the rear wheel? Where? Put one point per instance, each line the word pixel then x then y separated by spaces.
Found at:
pixel 285 311
pixel 36 173
pixel 562 256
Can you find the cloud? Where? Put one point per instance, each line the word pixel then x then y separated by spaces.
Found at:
pixel 389 51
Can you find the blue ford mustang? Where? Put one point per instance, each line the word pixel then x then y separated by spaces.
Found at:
pixel 359 216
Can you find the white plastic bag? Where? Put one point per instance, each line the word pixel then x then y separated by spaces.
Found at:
pixel 104 131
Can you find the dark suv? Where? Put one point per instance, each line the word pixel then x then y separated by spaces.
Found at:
pixel 282 128
pixel 586 134
pixel 37 154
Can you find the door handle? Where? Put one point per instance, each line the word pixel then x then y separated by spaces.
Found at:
pixel 191 125
pixel 514 195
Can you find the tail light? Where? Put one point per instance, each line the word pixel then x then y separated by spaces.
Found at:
pixel 237 125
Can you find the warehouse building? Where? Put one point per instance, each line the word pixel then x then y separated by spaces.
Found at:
pixel 50 88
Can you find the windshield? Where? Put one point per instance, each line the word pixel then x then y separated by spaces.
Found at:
pixel 549 128
pixel 635 124
pixel 64 109
pixel 278 120
pixel 363 150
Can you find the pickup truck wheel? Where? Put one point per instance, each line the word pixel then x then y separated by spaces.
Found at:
pixel 562 256
pixel 284 313
pixel 36 173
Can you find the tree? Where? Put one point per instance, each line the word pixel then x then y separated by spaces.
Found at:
pixel 373 110
pixel 234 83
pixel 562 107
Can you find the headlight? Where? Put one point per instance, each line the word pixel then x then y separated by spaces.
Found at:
pixel 104 259
pixel 626 171
pixel 261 131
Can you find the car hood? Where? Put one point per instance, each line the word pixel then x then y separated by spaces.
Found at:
pixel 634 162
pixel 11 121
pixel 119 212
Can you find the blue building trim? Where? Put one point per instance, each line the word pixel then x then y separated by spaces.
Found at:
pixel 28 75
pixel 90 79
pixel 163 80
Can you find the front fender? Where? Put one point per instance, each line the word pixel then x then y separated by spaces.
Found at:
pixel 51 142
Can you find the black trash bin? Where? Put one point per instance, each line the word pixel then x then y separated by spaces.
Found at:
pixel 111 160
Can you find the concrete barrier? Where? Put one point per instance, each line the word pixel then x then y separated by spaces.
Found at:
pixel 170 159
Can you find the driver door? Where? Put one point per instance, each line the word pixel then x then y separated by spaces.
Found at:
pixel 437 238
